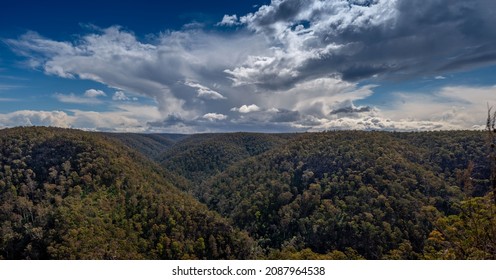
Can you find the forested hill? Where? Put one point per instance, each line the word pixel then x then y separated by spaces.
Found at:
pixel 200 156
pixel 67 194
pixel 348 194
pixel 150 145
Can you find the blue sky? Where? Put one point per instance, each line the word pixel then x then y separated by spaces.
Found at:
pixel 270 66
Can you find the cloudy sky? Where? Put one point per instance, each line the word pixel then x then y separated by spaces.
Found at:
pixel 269 66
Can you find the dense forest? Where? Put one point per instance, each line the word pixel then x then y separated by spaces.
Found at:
pixel 69 194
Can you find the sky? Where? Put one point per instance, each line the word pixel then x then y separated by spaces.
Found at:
pixel 264 66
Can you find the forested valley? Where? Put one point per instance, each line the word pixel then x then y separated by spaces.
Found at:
pixel 70 194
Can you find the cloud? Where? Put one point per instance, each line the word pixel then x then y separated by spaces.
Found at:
pixel 262 121
pixel 72 98
pixel 124 118
pixel 121 96
pixel 384 124
pixel 210 122
pixel 205 92
pixel 460 106
pixel 316 97
pixel 246 109
pixel 141 112
pixel 387 39
pixel 305 63
pixel 107 121
pixel 112 57
pixel 283 116
pixel 30 118
pixel 348 108
pixel 228 20
pixel 117 59
pixel 94 93
pixel 273 115
pixel 6 87
pixel 170 120
pixel 449 107
pixel 214 116
pixel 90 96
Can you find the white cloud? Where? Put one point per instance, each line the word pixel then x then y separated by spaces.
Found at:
pixel 72 98
pixel 30 117
pixel 228 20
pixel 124 118
pixel 142 112
pixel 90 96
pixel 380 123
pixel 316 97
pixel 459 106
pixel 246 109
pixel 205 92
pixel 107 121
pixel 214 117
pixel 119 60
pixel 94 93
pixel 120 96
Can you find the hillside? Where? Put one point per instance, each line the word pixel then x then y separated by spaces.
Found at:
pixel 344 194
pixel 201 156
pixel 150 145
pixel 67 194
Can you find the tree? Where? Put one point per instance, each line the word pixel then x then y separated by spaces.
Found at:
pixel 470 234
pixel 491 129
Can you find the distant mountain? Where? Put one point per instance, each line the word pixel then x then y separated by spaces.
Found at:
pixel 150 145
pixel 200 156
pixel 67 194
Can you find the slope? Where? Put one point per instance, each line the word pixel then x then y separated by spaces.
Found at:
pixel 150 145
pixel 203 155
pixel 349 194
pixel 67 194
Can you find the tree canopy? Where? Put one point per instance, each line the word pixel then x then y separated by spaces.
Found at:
pixel 69 194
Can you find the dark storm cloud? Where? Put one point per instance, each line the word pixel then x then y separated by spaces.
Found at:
pixel 279 11
pixel 285 116
pixel 362 39
pixel 268 120
pixel 170 120
pixel 351 110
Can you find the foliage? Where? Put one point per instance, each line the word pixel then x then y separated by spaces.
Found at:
pixel 201 156
pixel 67 194
pixel 468 235
pixel 150 145
pixel 371 192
